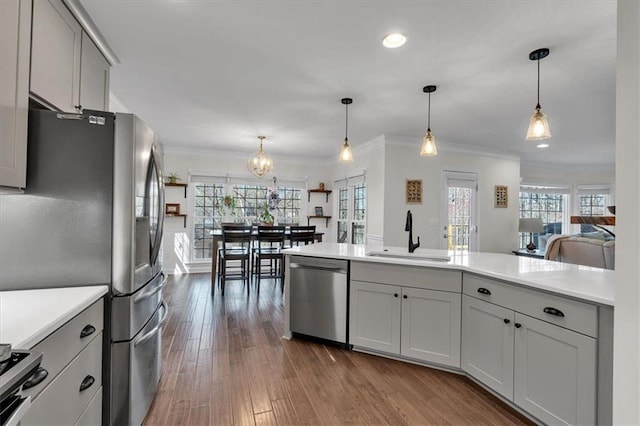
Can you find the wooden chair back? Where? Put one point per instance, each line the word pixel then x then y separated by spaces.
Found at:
pixel 302 234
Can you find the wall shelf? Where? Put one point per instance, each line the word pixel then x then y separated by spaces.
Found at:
pixel 326 192
pixel 326 218
pixel 178 185
pixel 184 216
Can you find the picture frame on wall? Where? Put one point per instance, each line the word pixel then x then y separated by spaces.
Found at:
pixel 501 196
pixel 171 208
pixel 413 191
pixel 319 211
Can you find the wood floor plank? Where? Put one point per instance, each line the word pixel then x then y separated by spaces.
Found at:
pixel 225 363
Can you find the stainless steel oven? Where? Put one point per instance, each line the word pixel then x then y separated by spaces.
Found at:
pixel 16 368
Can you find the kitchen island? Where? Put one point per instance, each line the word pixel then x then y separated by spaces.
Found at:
pixel 538 334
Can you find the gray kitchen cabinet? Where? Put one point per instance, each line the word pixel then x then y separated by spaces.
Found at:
pixel 403 311
pixel 374 316
pixel 545 361
pixel 431 326
pixel 555 372
pixel 69 380
pixel 94 76
pixel 55 56
pixel 487 344
pixel 15 40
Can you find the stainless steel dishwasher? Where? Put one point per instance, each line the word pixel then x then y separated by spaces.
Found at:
pixel 318 298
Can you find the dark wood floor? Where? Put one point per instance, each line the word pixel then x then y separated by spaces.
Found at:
pixel 224 362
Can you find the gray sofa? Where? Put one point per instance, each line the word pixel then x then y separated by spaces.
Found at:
pixel 581 251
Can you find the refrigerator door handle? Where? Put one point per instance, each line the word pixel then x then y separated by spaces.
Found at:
pixel 140 340
pixel 147 294
pixel 70 116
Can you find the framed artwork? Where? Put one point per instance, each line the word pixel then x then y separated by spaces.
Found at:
pixel 172 208
pixel 414 191
pixel 319 211
pixel 501 196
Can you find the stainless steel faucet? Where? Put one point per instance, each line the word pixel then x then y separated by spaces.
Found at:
pixel 409 227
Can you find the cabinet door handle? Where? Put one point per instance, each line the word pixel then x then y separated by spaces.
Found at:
pixel 88 330
pixel 395 294
pixel 405 296
pixel 518 325
pixel 483 290
pixel 36 379
pixel 87 382
pixel 553 311
pixel 506 320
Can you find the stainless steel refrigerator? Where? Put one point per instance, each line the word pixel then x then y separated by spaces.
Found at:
pixel 92 213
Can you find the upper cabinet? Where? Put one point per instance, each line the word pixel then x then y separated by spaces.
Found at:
pixel 44 54
pixel 55 56
pixel 94 76
pixel 15 38
pixel 67 69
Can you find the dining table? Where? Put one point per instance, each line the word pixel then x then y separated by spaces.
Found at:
pixel 216 239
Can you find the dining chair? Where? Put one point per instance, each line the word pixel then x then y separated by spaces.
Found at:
pixel 236 247
pixel 302 234
pixel 269 248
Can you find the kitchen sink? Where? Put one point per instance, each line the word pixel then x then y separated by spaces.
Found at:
pixel 410 256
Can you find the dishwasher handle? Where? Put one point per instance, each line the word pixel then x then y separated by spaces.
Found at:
pixel 336 269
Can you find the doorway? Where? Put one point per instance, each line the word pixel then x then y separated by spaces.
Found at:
pixel 459 223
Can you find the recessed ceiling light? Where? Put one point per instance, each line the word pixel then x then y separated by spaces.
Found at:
pixel 543 145
pixel 394 40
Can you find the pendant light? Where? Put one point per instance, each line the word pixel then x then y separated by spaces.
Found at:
pixel 429 148
pixel 260 164
pixel 346 156
pixel 538 125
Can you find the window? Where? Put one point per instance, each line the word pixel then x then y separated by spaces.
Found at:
pixel 209 211
pixel 207 215
pixel 549 204
pixel 352 213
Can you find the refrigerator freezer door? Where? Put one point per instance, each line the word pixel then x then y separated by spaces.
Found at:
pixel 135 372
pixel 131 312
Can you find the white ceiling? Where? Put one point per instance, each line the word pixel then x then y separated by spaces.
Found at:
pixel 216 74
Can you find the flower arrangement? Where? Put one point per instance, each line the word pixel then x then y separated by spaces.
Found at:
pixel 266 216
pixel 229 203
pixel 273 199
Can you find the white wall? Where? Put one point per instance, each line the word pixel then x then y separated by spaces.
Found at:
pixel 626 377
pixel 498 227
pixel 177 238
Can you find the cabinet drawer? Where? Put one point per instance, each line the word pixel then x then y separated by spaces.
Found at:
pixel 64 344
pixel 567 313
pixel 409 276
pixel 92 416
pixel 69 394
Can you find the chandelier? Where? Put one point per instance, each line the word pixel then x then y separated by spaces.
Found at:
pixel 260 164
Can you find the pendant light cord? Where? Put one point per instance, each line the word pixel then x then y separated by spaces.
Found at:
pixel 538 105
pixel 346 121
pixel 429 114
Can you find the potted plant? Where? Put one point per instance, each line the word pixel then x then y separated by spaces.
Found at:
pixel 173 177
pixel 266 218
pixel 228 205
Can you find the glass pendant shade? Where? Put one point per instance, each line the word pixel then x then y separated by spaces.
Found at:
pixel 429 148
pixel 260 164
pixel 346 156
pixel 538 126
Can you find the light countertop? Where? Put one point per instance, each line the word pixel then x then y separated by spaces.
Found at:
pixel 580 282
pixel 28 316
